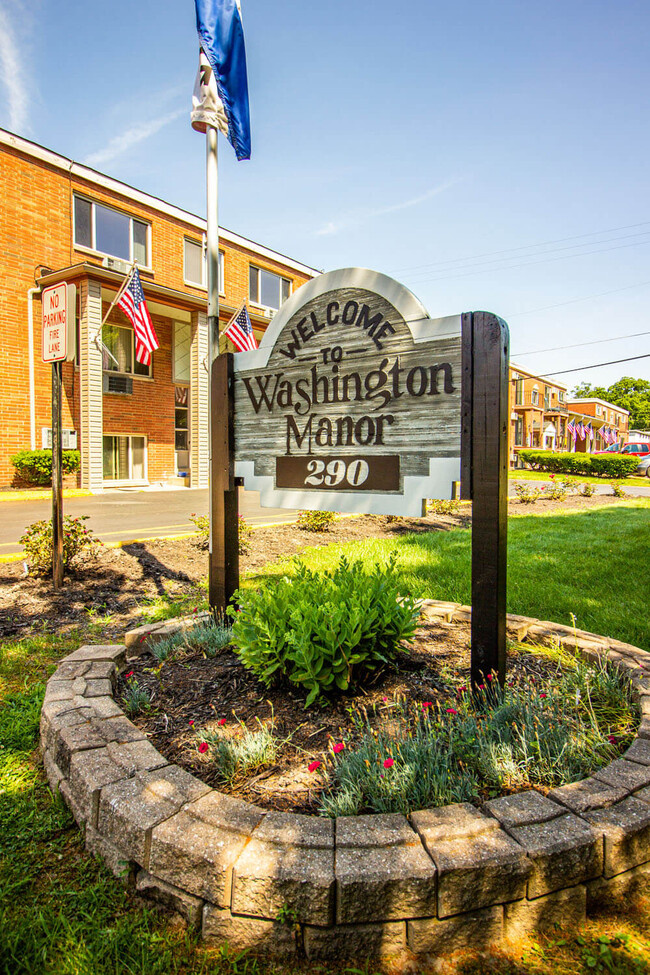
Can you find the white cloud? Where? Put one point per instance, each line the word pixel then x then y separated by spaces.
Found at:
pixel 334 227
pixel 13 75
pixel 131 137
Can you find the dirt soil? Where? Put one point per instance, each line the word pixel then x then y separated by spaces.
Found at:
pixel 112 588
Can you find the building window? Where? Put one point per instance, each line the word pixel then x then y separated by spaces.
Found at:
pixel 519 432
pixel 547 398
pixel 560 395
pixel 110 232
pixel 519 392
pixel 534 396
pixel 124 458
pixel 195 264
pixel 266 288
pixel 181 418
pixel 182 345
pixel 599 410
pixel 118 352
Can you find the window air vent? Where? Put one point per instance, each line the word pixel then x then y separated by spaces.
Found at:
pixel 117 384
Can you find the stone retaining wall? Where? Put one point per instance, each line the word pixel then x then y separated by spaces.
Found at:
pixel 436 882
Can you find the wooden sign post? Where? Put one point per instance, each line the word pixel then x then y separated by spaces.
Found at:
pixel 358 401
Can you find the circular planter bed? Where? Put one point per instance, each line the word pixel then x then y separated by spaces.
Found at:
pixel 436 881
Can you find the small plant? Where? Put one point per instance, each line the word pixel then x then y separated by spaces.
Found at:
pixel 202 525
pixel 38 544
pixel 35 466
pixel 315 521
pixel 136 699
pixel 238 756
pixel 323 631
pixel 526 493
pixel 617 490
pixel 587 489
pixel 245 535
pixel 440 506
pixel 555 490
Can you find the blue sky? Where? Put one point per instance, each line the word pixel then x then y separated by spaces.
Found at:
pixel 488 155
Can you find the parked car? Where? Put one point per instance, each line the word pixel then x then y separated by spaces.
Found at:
pixel 636 448
pixel 644 467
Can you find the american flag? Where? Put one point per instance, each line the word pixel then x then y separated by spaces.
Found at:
pixel 240 331
pixel 134 307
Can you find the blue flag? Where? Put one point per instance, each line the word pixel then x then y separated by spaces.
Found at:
pixel 222 39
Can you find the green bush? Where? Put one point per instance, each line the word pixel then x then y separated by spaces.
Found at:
pixel 323 631
pixel 37 540
pixel 315 521
pixel 202 525
pixel 35 466
pixel 598 465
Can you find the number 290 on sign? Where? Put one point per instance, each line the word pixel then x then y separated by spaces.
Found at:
pixel 338 473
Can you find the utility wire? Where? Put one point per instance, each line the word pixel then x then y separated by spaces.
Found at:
pixel 573 301
pixel 513 250
pixel 614 362
pixel 578 345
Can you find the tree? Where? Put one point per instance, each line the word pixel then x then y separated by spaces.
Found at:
pixel 628 393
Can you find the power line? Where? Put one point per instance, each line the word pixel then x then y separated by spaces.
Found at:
pixel 614 362
pixel 513 250
pixel 578 345
pixel 573 301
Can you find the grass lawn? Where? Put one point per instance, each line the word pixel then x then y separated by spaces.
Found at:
pixel 62 913
pixel 526 475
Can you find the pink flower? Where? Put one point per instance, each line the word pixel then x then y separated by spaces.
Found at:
pixel 203 747
pixel 389 762
pixel 130 674
pixel 552 477
pixel 542 695
pixel 191 722
pixel 426 704
pixel 451 711
pixel 384 699
pixel 338 747
pixel 481 687
pixel 313 766
pixel 221 721
pixel 489 676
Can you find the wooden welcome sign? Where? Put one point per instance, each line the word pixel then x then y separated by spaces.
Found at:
pixel 358 401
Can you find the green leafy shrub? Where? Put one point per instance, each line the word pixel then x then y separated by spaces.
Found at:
pixel 587 490
pixel 617 490
pixel 202 525
pixel 37 540
pixel 526 493
pixel 598 465
pixel 510 739
pixel 441 506
pixel 35 466
pixel 135 698
pixel 315 521
pixel 323 631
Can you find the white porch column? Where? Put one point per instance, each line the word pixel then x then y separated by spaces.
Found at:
pixel 199 400
pixel 90 384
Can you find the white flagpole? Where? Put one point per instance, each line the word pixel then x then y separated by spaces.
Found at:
pixel 212 183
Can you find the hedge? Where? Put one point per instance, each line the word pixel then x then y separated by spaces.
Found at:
pixel 35 466
pixel 597 465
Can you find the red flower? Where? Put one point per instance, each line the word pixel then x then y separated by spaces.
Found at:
pixel 191 722
pixel 481 687
pixel 389 762
pixel 461 690
pixel 130 674
pixel 552 476
pixel 203 747
pixel 611 739
pixel 489 676
pixel 542 695
pixel 221 721
pixel 426 704
pixel 384 699
pixel 451 711
pixel 313 766
pixel 338 747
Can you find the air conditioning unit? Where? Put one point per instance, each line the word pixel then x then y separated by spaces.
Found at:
pixel 68 439
pixel 115 264
pixel 269 312
pixel 117 384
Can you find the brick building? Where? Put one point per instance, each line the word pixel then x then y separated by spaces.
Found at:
pixel 61 221
pixel 540 411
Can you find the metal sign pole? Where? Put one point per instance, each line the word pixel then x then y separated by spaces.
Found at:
pixel 57 479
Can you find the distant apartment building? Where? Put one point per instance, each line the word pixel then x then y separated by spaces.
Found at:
pixel 133 424
pixel 541 413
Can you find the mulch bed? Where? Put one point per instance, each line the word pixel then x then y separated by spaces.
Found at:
pixel 206 691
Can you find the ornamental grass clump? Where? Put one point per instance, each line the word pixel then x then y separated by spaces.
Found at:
pixel 235 757
pixel 324 631
pixel 497 740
